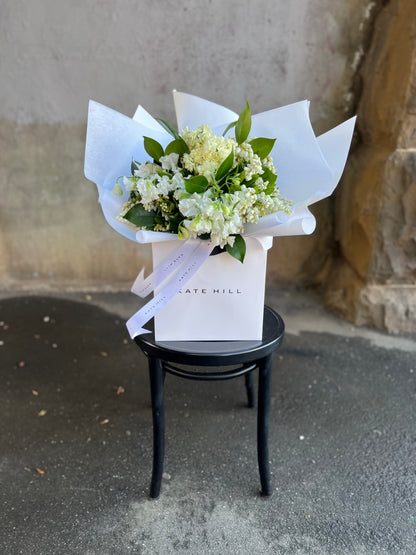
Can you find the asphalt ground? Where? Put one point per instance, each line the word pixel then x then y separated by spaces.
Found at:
pixel 76 440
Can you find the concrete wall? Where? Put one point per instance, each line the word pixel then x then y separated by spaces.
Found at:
pixel 57 54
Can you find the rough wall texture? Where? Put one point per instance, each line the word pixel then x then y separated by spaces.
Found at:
pixel 374 280
pixel 122 52
pixel 57 54
pixel 53 232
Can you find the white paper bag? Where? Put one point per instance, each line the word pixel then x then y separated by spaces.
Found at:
pixel 223 301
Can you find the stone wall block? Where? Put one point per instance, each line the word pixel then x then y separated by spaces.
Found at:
pixel 388 307
pixel 394 259
pixel 373 281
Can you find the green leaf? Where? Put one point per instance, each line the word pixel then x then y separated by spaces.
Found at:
pixel 183 195
pixel 205 236
pixel 183 233
pixel 174 222
pixel 233 187
pixel 163 172
pixel 268 175
pixel 167 127
pixel 225 166
pixel 252 182
pixel 159 220
pixel 243 126
pixel 153 148
pixel 178 145
pixel 137 215
pixel 238 250
pixel 196 184
pixel 271 187
pixel 230 126
pixel 262 146
pixel 134 166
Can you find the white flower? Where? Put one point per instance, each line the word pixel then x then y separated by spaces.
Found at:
pixel 148 192
pixel 163 185
pixel 268 162
pixel 129 183
pixel 199 224
pixel 170 161
pixel 260 184
pixel 117 190
pixel 178 181
pixel 190 207
pixel 243 152
pixel 146 169
pixel 254 167
pixel 207 150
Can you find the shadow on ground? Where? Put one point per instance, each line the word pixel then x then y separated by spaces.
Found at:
pixel 75 438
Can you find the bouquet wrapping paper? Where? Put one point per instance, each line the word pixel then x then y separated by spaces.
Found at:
pixel 308 169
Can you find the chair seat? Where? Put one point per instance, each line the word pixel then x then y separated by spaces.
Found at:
pixel 217 353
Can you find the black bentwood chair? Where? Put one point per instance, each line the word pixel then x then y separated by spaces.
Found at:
pixel 248 355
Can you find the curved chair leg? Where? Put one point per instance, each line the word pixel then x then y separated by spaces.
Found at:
pixel 250 389
pixel 265 374
pixel 157 376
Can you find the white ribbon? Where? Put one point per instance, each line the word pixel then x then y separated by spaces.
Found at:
pixel 186 269
pixel 163 271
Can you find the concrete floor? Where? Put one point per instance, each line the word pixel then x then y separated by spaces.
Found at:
pixel 76 433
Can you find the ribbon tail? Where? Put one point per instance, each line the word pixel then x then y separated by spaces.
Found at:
pixel 177 281
pixel 143 287
pixel 133 331
pixel 138 282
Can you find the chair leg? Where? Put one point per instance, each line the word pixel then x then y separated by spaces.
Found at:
pixel 250 389
pixel 157 376
pixel 265 373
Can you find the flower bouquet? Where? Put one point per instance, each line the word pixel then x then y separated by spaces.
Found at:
pixel 223 185
pixel 203 186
